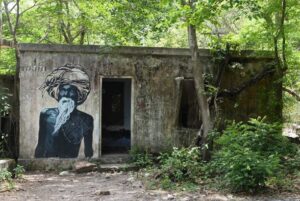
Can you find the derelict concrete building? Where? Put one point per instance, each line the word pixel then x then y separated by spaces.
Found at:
pixel 127 97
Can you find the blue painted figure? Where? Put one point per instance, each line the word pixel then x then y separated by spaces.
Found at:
pixel 63 128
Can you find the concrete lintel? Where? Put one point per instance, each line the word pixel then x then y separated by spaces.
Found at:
pixel 131 50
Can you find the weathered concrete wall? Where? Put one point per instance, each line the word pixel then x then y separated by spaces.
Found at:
pixel 154 90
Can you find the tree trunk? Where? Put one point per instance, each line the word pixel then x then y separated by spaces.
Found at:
pixel 200 91
pixel 15 114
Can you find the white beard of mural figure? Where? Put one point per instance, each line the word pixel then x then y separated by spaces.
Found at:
pixel 63 128
pixel 65 107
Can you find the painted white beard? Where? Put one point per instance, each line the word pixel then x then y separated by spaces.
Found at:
pixel 65 108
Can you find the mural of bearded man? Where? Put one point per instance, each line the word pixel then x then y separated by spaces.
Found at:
pixel 63 128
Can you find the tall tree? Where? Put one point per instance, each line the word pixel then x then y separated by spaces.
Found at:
pixel 199 84
pixel 13 24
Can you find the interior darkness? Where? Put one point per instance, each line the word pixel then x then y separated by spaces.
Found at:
pixel 8 146
pixel 188 114
pixel 116 103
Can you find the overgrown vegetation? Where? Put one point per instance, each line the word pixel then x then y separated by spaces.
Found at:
pixel 7 177
pixel 249 154
pixel 247 157
pixel 180 165
pixel 141 159
pixel 7 61
pixel 18 171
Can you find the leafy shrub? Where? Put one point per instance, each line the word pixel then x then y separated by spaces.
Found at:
pixel 19 171
pixel 250 153
pixel 181 165
pixel 259 136
pixel 140 158
pixel 293 162
pixel 245 170
pixel 6 179
pixel 5 175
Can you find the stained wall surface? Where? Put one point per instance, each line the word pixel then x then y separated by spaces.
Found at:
pixel 155 75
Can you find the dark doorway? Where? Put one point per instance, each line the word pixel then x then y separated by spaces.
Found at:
pixel 116 110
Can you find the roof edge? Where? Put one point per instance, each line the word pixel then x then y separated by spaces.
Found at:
pixel 134 50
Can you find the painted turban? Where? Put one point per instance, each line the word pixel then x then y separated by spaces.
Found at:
pixel 68 74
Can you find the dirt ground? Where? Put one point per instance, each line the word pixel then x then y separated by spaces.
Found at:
pixel 122 186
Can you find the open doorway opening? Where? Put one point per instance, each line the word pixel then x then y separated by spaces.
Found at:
pixel 116 115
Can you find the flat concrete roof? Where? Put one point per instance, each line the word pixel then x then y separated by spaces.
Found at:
pixel 132 50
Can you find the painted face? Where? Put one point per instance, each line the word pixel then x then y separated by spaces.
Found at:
pixel 68 91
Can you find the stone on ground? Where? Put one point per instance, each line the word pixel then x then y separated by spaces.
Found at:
pixel 84 166
pixel 100 192
pixel 66 173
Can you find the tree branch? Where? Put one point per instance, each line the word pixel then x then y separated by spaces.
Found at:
pixel 17 21
pixel 283 16
pixel 8 17
pixel 29 8
pixel 13 7
pixel 82 35
pixel 65 35
pixel 251 82
pixel 292 93
pixel 79 33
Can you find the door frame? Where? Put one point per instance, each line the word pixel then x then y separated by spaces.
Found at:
pixel 131 108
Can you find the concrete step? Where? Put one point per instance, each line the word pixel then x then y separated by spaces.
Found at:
pixel 7 164
pixel 114 158
pixel 116 167
pixel 57 164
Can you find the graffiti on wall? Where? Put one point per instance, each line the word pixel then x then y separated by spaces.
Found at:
pixel 62 128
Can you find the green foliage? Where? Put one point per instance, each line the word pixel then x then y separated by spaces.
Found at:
pixel 180 165
pixel 19 171
pixel 88 22
pixel 180 169
pixel 5 175
pixel 259 136
pixel 6 178
pixel 250 153
pixel 246 170
pixel 292 163
pixel 7 61
pixel 248 157
pixel 141 159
